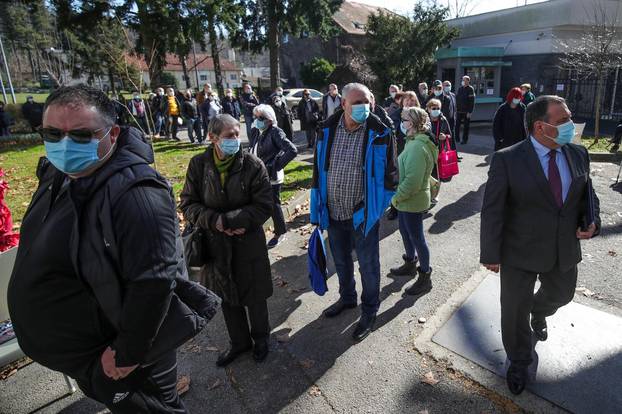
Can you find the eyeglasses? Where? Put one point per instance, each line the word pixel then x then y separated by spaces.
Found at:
pixel 261 118
pixel 79 136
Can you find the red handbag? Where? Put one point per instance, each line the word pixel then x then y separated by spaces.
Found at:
pixel 447 161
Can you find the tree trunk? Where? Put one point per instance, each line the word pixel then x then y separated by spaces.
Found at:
pixel 599 94
pixel 184 69
pixel 20 73
pixel 213 40
pixel 274 44
pixel 111 80
pixel 32 65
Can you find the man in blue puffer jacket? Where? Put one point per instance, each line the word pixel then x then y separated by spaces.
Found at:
pixel 354 177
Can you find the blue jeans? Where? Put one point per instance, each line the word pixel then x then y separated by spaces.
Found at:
pixel 343 238
pixel 194 125
pixel 411 229
pixel 158 124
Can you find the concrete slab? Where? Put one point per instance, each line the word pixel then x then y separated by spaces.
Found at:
pixel 577 368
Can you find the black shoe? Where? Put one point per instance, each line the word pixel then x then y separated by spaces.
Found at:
pixel 409 268
pixel 338 307
pixel 364 327
pixel 516 378
pixel 274 241
pixel 176 139
pixel 230 355
pixel 539 328
pixel 392 213
pixel 260 350
pixel 422 285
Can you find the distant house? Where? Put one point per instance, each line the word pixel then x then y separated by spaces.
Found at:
pixel 231 73
pixel 505 48
pixel 350 21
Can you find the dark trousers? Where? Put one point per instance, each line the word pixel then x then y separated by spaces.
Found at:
pixel 462 119
pixel 150 389
pixel 411 229
pixel 194 125
pixel 518 301
pixel 277 211
pixel 248 122
pixel 171 126
pixel 343 239
pixel 310 133
pixel 237 320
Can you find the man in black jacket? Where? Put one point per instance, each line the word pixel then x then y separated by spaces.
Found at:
pixel 533 217
pixel 99 290
pixel 33 112
pixel 465 103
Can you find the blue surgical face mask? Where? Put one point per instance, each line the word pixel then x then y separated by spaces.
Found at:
pixel 360 112
pixel 435 113
pixel 437 93
pixel 565 133
pixel 260 124
pixel 447 89
pixel 229 146
pixel 403 128
pixel 515 101
pixel 71 157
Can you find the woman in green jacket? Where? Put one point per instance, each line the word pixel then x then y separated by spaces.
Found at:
pixel 413 197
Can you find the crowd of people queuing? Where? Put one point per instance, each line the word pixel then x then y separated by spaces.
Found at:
pixel 101 234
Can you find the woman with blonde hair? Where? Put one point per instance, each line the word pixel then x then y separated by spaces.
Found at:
pixel 412 197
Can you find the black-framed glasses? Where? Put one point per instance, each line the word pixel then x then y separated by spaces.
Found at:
pixel 80 136
pixel 261 118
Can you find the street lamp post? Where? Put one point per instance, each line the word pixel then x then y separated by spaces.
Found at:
pixel 8 73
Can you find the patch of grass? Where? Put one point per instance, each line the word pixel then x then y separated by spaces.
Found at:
pixel 21 97
pixel 602 145
pixel 19 163
pixel 298 176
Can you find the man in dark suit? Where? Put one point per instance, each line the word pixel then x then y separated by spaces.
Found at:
pixel 535 200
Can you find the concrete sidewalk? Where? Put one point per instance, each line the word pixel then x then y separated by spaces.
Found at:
pixel 314 366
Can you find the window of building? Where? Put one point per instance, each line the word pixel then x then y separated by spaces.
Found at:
pixel 233 76
pixel 203 77
pixel 482 80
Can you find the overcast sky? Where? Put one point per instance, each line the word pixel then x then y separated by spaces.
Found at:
pixel 480 6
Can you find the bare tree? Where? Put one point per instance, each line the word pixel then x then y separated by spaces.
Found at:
pixel 596 52
pixel 461 8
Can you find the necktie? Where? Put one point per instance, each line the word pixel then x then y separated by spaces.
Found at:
pixel 555 179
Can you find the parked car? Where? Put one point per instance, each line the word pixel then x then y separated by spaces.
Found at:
pixel 293 96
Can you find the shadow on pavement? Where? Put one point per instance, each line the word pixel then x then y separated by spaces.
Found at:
pixel 459 210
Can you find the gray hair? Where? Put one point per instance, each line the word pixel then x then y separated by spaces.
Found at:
pixel 266 111
pixel 83 95
pixel 221 122
pixel 394 87
pixel 539 108
pixel 419 118
pixel 354 86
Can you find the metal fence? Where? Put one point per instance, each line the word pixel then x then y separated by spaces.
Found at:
pixel 580 94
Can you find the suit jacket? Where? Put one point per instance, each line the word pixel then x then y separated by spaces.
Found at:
pixel 521 225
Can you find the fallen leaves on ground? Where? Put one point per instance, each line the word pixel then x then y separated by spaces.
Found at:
pixel 183 384
pixel 422 320
pixel 295 290
pixel 315 391
pixel 232 379
pixel 212 349
pixel 612 253
pixel 305 246
pixel 283 338
pixel 429 378
pixel 279 281
pixel 305 230
pixel 216 384
pixel 307 363
pixel 585 291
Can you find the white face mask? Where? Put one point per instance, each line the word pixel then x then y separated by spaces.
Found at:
pixel 462 83
pixel 392 94
pixel 515 101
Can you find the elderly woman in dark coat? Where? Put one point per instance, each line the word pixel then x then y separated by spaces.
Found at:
pixel 227 194
pixel 271 145
pixel 508 126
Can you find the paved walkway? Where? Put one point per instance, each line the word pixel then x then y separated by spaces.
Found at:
pixel 314 367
